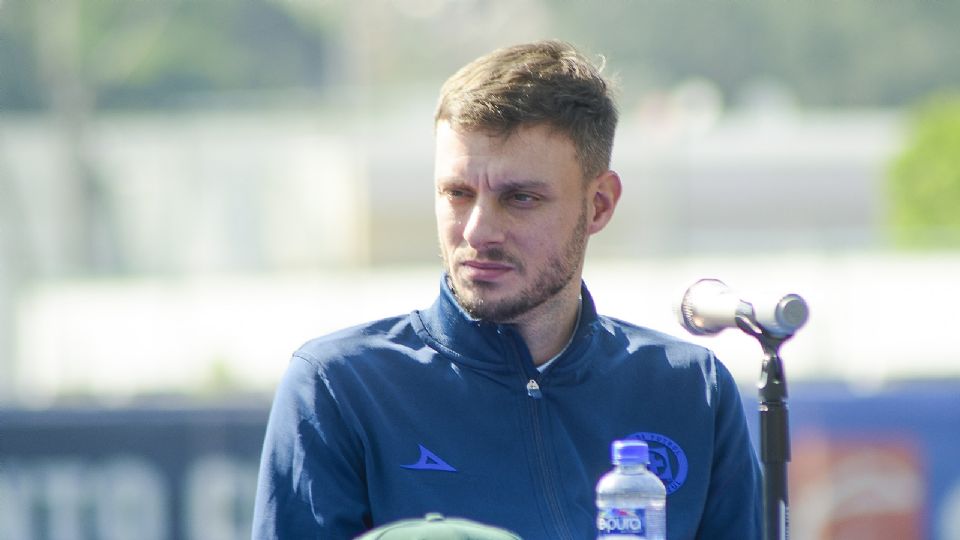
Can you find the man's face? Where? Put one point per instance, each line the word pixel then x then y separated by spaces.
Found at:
pixel 512 216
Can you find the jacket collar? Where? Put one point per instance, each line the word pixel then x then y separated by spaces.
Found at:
pixel 446 327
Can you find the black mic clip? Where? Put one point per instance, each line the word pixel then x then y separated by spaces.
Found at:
pixel 772 383
pixel 769 341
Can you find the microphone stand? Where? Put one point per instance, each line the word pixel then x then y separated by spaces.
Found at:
pixel 774 431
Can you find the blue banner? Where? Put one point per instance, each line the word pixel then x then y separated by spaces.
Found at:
pixel 882 464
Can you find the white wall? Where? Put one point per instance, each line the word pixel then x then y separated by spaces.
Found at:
pixel 873 318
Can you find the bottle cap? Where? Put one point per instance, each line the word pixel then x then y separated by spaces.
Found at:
pixel 629 451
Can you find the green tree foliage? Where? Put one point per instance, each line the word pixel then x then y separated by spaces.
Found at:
pixel 177 49
pixel 831 53
pixel 925 178
pixel 19 77
pixel 144 54
pixel 156 54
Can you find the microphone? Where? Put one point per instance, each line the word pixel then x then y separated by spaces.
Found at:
pixel 709 306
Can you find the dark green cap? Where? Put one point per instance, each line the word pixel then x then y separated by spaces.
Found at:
pixel 436 527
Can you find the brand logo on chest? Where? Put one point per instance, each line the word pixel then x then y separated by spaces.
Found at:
pixel 429 462
pixel 667 460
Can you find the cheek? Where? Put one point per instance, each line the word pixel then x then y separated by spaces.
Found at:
pixel 537 240
pixel 449 225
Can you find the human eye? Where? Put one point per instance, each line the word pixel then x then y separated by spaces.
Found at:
pixel 454 193
pixel 522 199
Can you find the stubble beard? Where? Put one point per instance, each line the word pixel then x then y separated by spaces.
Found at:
pixel 561 269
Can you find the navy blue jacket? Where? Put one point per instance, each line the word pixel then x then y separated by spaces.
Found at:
pixel 436 412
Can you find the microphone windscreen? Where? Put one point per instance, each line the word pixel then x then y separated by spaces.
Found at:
pixel 707 307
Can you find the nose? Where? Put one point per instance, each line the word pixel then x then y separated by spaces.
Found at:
pixel 484 227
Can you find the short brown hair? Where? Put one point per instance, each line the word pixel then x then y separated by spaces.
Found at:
pixel 545 82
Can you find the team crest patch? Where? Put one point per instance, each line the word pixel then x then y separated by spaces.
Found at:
pixel 667 459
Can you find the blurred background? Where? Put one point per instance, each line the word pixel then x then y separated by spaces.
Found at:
pixel 190 189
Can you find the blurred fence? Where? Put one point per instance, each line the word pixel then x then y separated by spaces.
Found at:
pixel 145 474
pixel 877 466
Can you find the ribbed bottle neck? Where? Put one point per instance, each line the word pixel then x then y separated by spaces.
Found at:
pixel 630 467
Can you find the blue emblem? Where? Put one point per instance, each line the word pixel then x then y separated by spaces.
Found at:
pixel 667 459
pixel 429 462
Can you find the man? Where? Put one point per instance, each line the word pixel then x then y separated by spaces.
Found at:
pixel 499 402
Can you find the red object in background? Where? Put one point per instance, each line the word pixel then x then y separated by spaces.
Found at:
pixel 864 488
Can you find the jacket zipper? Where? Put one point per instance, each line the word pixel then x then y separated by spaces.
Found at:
pixel 548 480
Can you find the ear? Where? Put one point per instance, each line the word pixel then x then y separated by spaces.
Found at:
pixel 604 192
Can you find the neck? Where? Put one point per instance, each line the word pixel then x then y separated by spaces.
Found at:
pixel 547 329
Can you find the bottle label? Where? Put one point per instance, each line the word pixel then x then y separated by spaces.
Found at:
pixel 622 523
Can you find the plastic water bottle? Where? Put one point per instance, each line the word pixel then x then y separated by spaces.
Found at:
pixel 631 500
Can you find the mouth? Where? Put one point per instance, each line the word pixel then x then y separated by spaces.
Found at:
pixel 479 270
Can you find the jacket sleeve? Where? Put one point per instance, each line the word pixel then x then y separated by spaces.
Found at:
pixel 734 499
pixel 311 481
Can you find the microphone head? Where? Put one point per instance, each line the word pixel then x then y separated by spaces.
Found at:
pixel 707 307
pixel 781 316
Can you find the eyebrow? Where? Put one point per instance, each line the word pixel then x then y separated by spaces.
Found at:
pixel 520 185
pixel 507 185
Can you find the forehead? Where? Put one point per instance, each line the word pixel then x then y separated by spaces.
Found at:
pixel 537 151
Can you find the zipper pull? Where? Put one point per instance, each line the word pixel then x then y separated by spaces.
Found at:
pixel 533 389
